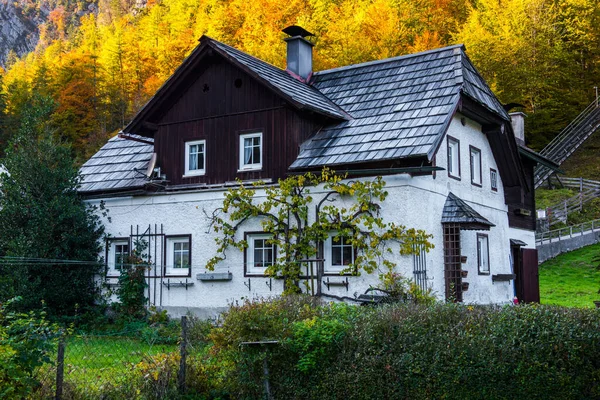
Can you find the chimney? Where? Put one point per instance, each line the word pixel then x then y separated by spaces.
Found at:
pixel 517 120
pixel 299 51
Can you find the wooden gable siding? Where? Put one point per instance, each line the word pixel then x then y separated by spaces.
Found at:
pixel 219 115
pixel 519 198
pixel 214 93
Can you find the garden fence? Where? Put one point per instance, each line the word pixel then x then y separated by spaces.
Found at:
pixel 116 365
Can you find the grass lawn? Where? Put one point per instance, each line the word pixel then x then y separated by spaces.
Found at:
pixel 93 363
pixel 571 278
pixel 96 360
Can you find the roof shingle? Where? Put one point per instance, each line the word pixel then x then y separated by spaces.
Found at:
pixel 114 166
pixel 403 104
pixel 456 211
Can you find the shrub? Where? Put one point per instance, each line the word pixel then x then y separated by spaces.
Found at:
pixel 156 376
pixel 26 342
pixel 132 284
pixel 449 351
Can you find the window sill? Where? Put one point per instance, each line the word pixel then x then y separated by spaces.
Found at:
pixel 186 274
pixel 476 184
pixel 194 174
pixel 338 274
pixel 454 177
pixel 253 169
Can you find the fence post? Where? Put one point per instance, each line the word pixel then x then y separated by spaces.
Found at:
pixel 60 369
pixel 183 353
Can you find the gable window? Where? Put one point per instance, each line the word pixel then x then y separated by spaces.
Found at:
pixel 178 255
pixel 117 252
pixel 475 165
pixel 339 254
pixel 494 179
pixel 195 157
pixel 251 151
pixel 483 254
pixel 453 158
pixel 259 255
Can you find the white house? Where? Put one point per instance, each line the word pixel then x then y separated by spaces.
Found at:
pixel 453 163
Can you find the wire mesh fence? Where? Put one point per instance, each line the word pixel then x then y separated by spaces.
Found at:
pixel 127 364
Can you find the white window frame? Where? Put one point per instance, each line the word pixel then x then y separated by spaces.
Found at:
pixel 328 247
pixel 475 162
pixel 494 179
pixel 111 253
pixel 250 269
pixel 252 166
pixel 483 254
pixel 170 244
pixel 453 157
pixel 197 171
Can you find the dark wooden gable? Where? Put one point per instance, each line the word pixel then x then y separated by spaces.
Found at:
pixel 221 89
pixel 222 102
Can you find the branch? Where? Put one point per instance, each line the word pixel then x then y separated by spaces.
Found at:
pixel 326 198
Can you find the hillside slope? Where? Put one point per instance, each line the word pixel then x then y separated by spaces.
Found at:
pixel 585 162
pixel 17 33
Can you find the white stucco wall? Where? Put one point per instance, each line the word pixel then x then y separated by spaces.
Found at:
pixel 414 202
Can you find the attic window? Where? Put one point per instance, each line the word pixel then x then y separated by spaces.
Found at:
pixel 453 158
pixel 238 83
pixel 195 158
pixel 475 166
pixel 205 88
pixel 494 179
pixel 251 151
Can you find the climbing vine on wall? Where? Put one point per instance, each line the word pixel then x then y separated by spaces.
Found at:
pixel 348 208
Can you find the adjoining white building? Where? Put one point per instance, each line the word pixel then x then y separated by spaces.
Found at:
pixel 453 159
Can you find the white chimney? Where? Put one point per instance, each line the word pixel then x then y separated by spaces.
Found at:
pixel 299 51
pixel 517 120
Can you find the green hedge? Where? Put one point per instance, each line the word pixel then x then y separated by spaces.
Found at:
pixel 443 351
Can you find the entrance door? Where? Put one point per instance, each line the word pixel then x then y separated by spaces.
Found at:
pixel 527 282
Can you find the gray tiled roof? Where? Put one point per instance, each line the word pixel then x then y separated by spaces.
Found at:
pixel 458 212
pixel 303 94
pixel 113 166
pixel 400 106
pixel 394 108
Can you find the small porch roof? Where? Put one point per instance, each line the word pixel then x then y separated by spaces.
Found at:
pixel 456 211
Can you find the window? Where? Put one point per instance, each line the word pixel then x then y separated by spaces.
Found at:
pixel 251 151
pixel 483 255
pixel 475 166
pixel 178 255
pixel 453 158
pixel 339 254
pixel 117 252
pixel 259 255
pixel 195 157
pixel 494 179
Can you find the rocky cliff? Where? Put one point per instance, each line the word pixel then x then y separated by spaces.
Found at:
pixel 17 32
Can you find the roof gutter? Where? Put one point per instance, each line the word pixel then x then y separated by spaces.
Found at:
pixel 380 171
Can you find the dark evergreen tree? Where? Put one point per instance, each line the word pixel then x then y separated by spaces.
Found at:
pixel 43 217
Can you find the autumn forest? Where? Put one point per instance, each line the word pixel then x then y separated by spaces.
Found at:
pixel 91 72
